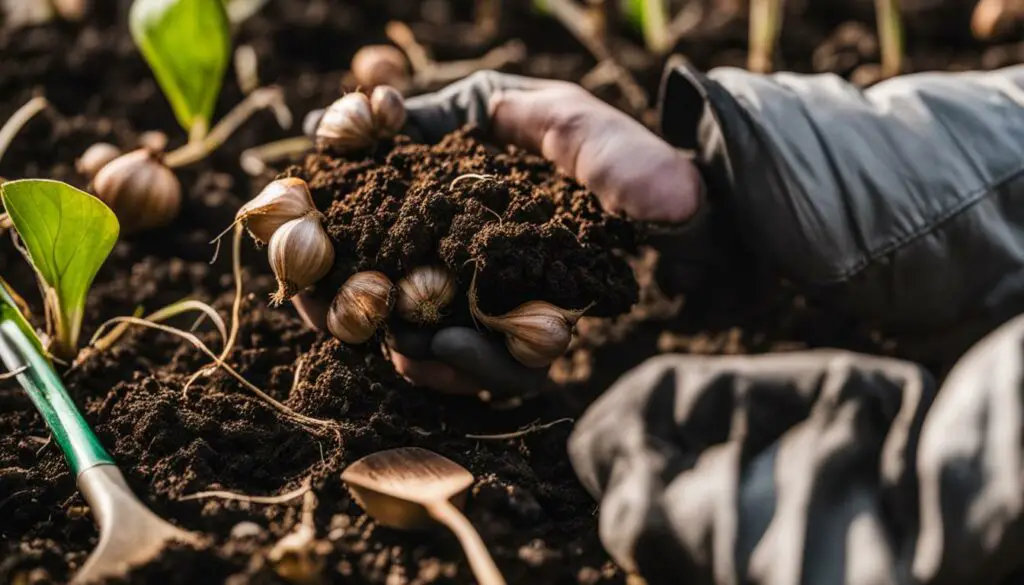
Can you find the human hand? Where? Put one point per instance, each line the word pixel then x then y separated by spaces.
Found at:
pixel 631 170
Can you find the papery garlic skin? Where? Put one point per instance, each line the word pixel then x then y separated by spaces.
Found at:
pixel 96 157
pixel 301 253
pixel 362 304
pixel 278 203
pixel 424 293
pixel 347 124
pixel 140 189
pixel 388 108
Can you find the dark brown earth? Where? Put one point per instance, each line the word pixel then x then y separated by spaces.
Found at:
pixel 537 521
pixel 526 231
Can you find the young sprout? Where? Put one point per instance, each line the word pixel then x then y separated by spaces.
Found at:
pixel 66 235
pixel 890 36
pixel 187 44
pixel 649 17
pixel 765 26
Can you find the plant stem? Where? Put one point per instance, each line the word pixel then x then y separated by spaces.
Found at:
pixel 765 26
pixel 890 36
pixel 655 25
pixel 196 150
pixel 18 120
pixel 254 160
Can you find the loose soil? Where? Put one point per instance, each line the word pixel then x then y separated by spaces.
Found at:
pixel 526 231
pixel 537 521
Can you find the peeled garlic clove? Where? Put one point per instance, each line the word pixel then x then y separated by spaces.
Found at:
pixel 347 124
pixel 95 158
pixel 140 189
pixel 375 65
pixel 278 203
pixel 362 304
pixel 423 293
pixel 388 110
pixel 301 253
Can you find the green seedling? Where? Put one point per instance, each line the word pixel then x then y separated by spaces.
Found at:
pixel 650 17
pixel 67 235
pixel 890 36
pixel 765 26
pixel 187 44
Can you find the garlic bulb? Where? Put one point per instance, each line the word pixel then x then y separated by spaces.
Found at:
pixel 388 111
pixel 361 305
pixel 278 203
pixel 140 189
pixel 95 158
pixel 301 253
pixel 347 124
pixel 536 332
pixel 423 293
pixel 375 65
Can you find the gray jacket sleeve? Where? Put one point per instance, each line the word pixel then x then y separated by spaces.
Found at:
pixel 902 204
pixel 813 468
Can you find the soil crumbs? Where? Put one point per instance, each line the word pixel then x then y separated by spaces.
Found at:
pixel 526 231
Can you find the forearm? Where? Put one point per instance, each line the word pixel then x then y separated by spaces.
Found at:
pixel 892 204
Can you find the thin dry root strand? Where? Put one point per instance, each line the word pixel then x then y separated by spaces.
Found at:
pixel 17 121
pixel 266 97
pixel 236 308
pixel 475 176
pixel 254 160
pixel 532 428
pixel 313 425
pixel 268 500
pixel 13 373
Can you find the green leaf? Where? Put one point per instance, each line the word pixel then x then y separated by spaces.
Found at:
pixel 187 44
pixel 68 234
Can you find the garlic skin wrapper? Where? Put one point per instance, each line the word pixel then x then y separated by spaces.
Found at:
pixel 301 253
pixel 388 111
pixel 140 189
pixel 424 293
pixel 347 124
pixel 278 203
pixel 362 304
pixel 95 158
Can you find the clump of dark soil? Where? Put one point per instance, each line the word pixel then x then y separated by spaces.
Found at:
pixel 528 231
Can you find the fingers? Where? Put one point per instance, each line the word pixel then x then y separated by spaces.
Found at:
pixel 433 115
pixel 631 170
pixel 486 361
pixel 434 375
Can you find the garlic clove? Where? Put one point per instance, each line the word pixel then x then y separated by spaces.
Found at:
pixel 301 253
pixel 347 124
pixel 278 203
pixel 140 189
pixel 537 333
pixel 375 65
pixel 424 293
pixel 362 304
pixel 95 158
pixel 389 113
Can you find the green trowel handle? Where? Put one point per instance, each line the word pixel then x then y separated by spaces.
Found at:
pixel 80 446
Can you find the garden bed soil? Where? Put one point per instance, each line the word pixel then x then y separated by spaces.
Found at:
pixel 537 521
